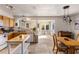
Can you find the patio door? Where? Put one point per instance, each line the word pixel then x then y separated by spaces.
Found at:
pixel 45 27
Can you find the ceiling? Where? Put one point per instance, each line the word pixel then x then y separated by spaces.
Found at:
pixel 41 9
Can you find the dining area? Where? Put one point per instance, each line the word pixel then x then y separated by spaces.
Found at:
pixel 65 44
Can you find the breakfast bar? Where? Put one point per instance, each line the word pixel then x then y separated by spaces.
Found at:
pixel 19 44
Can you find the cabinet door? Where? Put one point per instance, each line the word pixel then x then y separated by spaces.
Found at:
pixel 6 21
pixel 1 21
pixel 11 22
pixel 1 17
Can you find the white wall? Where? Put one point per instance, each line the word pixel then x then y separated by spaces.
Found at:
pixel 5 12
pixel 75 17
pixel 60 24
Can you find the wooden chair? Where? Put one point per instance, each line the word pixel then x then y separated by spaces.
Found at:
pixel 60 48
pixel 54 42
pixel 77 48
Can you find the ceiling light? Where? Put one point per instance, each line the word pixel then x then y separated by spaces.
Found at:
pixel 9 6
pixel 67 17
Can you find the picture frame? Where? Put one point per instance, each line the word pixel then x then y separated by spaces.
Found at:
pixel 76 25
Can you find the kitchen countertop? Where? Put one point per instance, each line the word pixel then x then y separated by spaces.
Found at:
pixel 18 39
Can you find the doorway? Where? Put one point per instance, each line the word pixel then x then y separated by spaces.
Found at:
pixel 46 27
pixel 43 27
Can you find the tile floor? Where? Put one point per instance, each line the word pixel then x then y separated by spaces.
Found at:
pixel 44 46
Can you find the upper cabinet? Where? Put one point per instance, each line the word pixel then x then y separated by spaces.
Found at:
pixel 6 21
pixel 1 17
pixel 1 21
pixel 12 22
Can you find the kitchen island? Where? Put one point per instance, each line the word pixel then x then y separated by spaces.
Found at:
pixel 19 44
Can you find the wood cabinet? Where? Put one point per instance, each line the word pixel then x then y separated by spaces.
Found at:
pixel 1 17
pixel 6 21
pixel 1 21
pixel 11 23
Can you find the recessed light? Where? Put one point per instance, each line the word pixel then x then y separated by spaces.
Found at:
pixel 9 7
pixel 28 19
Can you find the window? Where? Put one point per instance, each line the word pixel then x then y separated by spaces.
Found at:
pixel 42 27
pixel 38 25
pixel 27 25
pixel 16 24
pixel 47 27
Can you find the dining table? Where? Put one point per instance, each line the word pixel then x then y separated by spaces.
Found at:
pixel 70 43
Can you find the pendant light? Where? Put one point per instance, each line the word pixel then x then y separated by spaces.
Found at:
pixel 66 16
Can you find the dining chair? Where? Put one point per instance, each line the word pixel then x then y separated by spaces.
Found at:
pixel 58 45
pixel 77 48
pixel 54 42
